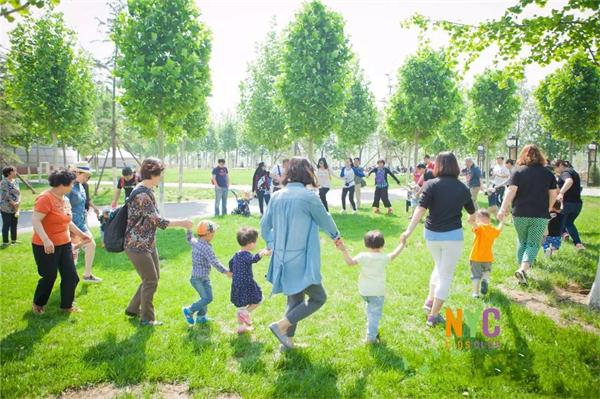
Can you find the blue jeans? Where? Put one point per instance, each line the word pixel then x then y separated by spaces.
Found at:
pixel 202 286
pixel 374 311
pixel 221 197
pixel 570 212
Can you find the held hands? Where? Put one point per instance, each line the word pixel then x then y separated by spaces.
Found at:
pixel 559 198
pixel 501 215
pixel 229 274
pixel 187 224
pixel 265 252
pixel 339 244
pixel 403 238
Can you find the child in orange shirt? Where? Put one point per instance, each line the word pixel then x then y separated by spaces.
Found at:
pixel 481 255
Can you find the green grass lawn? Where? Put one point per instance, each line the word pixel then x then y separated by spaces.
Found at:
pixel 45 355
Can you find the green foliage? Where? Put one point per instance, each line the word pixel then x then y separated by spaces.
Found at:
pixel 526 36
pixel 47 83
pixel 314 73
pixel 568 100
pixel 360 114
pixel 426 97
pixel 10 7
pixel 227 132
pixel 164 53
pixel 262 117
pixel 492 108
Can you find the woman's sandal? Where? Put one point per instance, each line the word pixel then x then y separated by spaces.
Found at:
pixel 522 277
pixel 37 309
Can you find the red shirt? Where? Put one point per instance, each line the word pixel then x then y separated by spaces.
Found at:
pixel 57 220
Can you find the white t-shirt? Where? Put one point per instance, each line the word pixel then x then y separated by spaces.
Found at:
pixel 371 281
pixel 348 177
pixel 324 179
pixel 277 174
pixel 501 175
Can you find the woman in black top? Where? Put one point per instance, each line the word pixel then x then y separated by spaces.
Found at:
pixel 444 197
pixel 570 196
pixel 531 191
pixel 260 188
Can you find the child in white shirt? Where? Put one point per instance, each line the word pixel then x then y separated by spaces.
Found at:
pixel 371 282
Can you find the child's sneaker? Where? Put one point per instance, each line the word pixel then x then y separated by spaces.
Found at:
pixel 428 305
pixel 244 317
pixel 475 295
pixel 189 316
pixel 484 287
pixel 433 321
pixel 203 319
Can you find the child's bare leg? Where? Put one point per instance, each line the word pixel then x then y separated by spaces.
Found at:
pixel 252 307
pixel 476 283
pixel 485 276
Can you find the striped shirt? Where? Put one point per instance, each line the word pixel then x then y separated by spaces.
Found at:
pixel 203 257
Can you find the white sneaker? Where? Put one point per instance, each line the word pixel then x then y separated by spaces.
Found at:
pixel 343 211
pixel 354 212
pixel 92 279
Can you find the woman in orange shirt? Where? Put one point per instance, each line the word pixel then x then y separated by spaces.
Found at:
pixel 52 250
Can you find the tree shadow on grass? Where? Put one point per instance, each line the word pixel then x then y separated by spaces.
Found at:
pixel 347 224
pixel 517 362
pixel 18 345
pixel 125 360
pixel 299 377
pixel 247 353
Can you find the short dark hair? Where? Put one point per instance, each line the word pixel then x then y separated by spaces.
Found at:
pixel 61 177
pixel 562 162
pixel 151 167
pixel 246 235
pixel 446 165
pixel 126 171
pixel 426 156
pixel 374 239
pixel 484 213
pixel 500 157
pixel 421 166
pixel 8 170
pixel 357 159
pixel 284 160
pixel 510 161
pixel 300 170
pixel 381 161
pixel 221 160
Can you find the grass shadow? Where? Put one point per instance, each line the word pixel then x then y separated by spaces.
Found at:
pixel 248 354
pixel 124 360
pixel 299 377
pixel 200 337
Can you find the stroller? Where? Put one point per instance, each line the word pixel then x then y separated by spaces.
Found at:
pixel 243 204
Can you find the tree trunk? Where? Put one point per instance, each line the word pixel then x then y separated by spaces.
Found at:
pixel 113 127
pixel 416 149
pixel 595 292
pixel 181 156
pixel 311 150
pixel 54 151
pixel 64 149
pixel 37 160
pixel 571 151
pixel 160 141
pixel 27 150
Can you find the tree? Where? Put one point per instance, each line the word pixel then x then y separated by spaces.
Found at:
pixel 47 83
pixel 425 99
pixel 227 132
pixel 492 108
pixel 359 119
pixel 540 39
pixel 314 74
pixel 262 117
pixel 568 102
pixel 164 53
pixel 10 7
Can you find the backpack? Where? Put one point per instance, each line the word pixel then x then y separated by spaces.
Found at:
pixel 116 227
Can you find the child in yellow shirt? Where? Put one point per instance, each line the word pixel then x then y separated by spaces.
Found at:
pixel 481 255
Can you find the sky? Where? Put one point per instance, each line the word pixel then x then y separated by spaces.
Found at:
pixel 373 28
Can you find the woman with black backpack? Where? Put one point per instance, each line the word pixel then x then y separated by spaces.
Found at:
pixel 140 234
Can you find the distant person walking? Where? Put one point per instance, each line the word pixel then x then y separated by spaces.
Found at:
pixel 359 180
pixel 347 175
pixel 127 182
pixel 500 175
pixel 10 200
pixel 381 186
pixel 570 196
pixel 261 186
pixel 324 179
pixel 220 179
pixel 531 192
pixel 278 174
pixel 473 174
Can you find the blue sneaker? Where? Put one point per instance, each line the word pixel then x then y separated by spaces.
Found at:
pixel 203 319
pixel 189 316
pixel 484 287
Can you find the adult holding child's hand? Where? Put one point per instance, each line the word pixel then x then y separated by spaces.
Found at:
pixel 444 197
pixel 142 221
pixel 290 227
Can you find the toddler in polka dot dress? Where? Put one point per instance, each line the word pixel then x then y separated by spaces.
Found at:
pixel 246 295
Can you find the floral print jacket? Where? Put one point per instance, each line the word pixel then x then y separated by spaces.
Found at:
pixel 142 221
pixel 9 191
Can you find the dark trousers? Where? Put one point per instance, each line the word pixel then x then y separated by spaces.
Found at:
pixel 570 212
pixel 323 195
pixel 298 308
pixel 9 223
pixel 350 192
pixel 381 193
pixel 48 265
pixel 263 200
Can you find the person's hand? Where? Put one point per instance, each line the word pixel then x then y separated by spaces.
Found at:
pixel 187 224
pixel 86 237
pixel 501 215
pixel 113 205
pixel 471 219
pixel 265 252
pixel 97 212
pixel 339 243
pixel 403 238
pixel 559 197
pixel 229 274
pixel 48 247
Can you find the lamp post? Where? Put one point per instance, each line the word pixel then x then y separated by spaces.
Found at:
pixel 592 154
pixel 512 142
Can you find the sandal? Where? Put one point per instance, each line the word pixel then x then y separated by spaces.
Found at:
pixel 37 309
pixel 522 277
